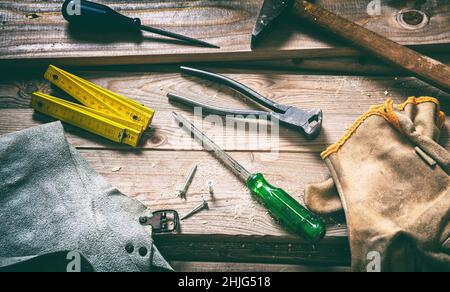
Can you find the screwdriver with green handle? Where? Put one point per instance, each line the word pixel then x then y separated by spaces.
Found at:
pixel 280 204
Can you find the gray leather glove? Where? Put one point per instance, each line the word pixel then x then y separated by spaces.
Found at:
pixel 52 202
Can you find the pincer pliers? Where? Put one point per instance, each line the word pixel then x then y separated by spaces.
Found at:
pixel 308 122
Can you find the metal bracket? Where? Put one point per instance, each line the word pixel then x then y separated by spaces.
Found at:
pixel 164 221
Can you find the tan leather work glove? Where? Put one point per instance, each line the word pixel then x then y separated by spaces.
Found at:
pixel 391 178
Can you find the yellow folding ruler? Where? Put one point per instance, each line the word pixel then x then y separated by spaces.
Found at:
pixel 103 112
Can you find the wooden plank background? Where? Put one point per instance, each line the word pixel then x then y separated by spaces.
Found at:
pixel 34 32
pixel 236 228
pixel 246 268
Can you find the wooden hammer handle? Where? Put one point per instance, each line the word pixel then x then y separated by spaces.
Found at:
pixel 426 68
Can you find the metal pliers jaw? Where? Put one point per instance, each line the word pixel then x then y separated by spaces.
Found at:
pixel 308 122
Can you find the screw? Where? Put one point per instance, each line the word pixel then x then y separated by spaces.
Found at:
pixel 202 206
pixel 210 184
pixel 182 193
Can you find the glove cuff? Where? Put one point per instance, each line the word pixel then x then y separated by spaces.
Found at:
pixel 389 112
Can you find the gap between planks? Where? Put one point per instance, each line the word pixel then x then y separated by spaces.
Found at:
pixel 209 267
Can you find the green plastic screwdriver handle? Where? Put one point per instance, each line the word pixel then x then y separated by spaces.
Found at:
pixel 288 211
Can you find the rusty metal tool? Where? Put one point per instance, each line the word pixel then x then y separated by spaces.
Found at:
pixel 421 66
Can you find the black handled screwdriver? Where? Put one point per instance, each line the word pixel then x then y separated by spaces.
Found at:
pixel 81 12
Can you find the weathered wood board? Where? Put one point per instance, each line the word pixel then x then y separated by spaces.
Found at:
pixel 35 32
pixel 342 99
pixel 354 65
pixel 246 268
pixel 236 228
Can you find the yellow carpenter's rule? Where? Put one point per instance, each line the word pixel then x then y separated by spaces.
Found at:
pixel 103 112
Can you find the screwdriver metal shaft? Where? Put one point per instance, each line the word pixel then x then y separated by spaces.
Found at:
pixel 94 15
pixel 209 145
pixel 178 36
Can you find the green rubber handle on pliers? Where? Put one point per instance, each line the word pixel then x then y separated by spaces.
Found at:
pixel 286 209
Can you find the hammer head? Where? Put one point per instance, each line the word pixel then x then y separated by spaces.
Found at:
pixel 270 12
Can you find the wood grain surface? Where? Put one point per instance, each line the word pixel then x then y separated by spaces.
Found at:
pixel 247 267
pixel 35 32
pixel 342 98
pixel 354 65
pixel 424 67
pixel 236 228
